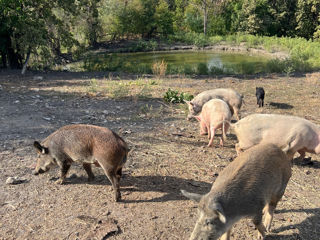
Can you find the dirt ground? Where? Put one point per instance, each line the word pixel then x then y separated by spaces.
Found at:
pixel 167 154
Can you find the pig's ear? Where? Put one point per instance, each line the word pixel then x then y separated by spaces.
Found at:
pixel 218 208
pixel 40 148
pixel 193 196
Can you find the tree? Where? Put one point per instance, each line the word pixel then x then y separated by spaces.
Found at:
pixel 32 27
pixel 163 19
pixel 308 18
pixel 206 6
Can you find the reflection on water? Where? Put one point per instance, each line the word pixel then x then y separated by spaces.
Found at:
pixel 187 62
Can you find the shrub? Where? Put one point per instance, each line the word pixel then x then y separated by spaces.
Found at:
pixel 173 96
pixel 159 68
pixel 215 70
pixel 202 69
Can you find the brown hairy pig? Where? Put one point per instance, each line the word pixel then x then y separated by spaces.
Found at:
pixel 86 144
pixel 250 186
pixel 292 134
pixel 215 114
pixel 230 96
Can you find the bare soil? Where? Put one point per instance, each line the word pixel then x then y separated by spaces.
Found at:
pixel 167 154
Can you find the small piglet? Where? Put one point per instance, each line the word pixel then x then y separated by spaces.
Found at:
pixel 230 96
pixel 215 114
pixel 250 186
pixel 88 145
pixel 260 96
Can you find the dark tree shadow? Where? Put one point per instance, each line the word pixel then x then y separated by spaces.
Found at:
pixel 281 105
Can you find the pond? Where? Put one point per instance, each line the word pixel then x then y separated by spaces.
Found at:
pixel 178 62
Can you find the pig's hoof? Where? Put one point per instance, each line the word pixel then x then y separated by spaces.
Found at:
pixel 59 182
pixel 90 179
pixel 118 199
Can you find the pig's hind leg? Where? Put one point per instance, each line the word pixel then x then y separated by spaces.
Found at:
pixel 114 179
pixel 87 168
pixel 268 212
pixel 211 132
pixel 203 128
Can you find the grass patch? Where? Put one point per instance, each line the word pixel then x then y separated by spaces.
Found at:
pixel 173 96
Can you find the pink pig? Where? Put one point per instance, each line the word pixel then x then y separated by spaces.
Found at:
pixel 292 134
pixel 215 114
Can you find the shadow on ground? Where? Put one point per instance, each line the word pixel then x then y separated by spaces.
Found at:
pixel 281 105
pixel 169 185
pixel 310 225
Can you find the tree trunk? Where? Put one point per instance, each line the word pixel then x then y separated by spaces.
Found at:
pixel 4 59
pixel 205 18
pixel 26 62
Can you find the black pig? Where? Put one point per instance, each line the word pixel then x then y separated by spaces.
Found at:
pixel 260 96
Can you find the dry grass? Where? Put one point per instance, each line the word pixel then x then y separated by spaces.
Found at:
pixel 159 68
pixel 313 78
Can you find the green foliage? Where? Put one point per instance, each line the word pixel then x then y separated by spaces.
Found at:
pixel 52 29
pixel 173 96
pixel 34 27
pixel 202 69
pixel 216 71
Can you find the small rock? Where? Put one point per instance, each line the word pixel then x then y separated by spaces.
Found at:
pixel 127 132
pixel 103 230
pixel 14 180
pixel 37 78
pixel 46 118
pixel 105 112
pixel 17 101
pixel 308 172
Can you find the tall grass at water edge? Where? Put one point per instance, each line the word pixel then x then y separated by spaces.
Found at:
pixel 303 55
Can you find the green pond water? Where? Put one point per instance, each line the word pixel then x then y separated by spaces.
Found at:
pixel 179 62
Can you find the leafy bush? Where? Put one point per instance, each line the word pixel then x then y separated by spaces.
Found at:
pixel 202 69
pixel 173 96
pixel 216 70
pixel 200 40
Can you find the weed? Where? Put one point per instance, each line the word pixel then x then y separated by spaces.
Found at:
pixel 93 85
pixel 120 92
pixel 145 92
pixel 173 96
pixel 215 70
pixel 202 69
pixel 159 68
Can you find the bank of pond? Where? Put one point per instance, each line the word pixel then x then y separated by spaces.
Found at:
pixel 188 62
